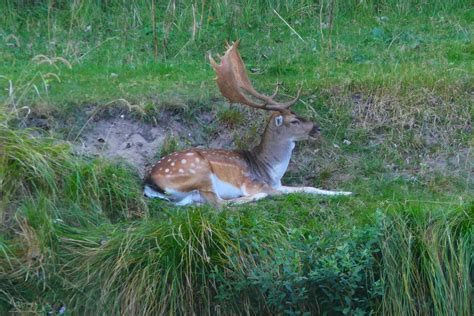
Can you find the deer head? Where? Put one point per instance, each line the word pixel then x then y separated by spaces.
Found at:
pixel 235 85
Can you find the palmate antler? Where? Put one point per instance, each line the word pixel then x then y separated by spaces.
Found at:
pixel 232 81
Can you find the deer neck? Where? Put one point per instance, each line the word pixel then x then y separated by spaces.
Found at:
pixel 271 157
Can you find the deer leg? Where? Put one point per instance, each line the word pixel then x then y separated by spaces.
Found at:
pixel 254 191
pixel 212 199
pixel 217 202
pixel 311 190
pixel 190 198
pixel 247 199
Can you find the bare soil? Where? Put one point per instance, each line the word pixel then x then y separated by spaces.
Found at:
pixel 139 143
pixel 134 142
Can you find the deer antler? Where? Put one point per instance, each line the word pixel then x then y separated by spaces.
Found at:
pixel 232 81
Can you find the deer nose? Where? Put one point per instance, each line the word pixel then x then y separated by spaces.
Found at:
pixel 315 131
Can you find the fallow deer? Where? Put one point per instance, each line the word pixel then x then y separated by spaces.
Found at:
pixel 236 176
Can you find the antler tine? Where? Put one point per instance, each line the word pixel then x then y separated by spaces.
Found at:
pixel 270 104
pixel 291 102
pixel 232 80
pixel 276 90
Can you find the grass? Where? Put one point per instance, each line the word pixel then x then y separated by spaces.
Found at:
pixel 444 250
pixel 390 84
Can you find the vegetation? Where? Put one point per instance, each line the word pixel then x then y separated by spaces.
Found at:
pixel 390 83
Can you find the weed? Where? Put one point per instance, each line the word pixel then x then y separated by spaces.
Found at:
pixel 170 145
pixel 230 117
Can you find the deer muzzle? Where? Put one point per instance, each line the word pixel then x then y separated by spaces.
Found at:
pixel 315 131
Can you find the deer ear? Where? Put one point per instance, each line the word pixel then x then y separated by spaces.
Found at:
pixel 278 120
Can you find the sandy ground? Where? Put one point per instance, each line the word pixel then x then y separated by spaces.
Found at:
pixel 138 143
pixel 124 139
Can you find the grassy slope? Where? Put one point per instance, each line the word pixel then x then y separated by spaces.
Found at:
pixel 394 75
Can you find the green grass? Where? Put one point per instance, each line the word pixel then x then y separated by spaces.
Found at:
pixel 368 52
pixel 392 91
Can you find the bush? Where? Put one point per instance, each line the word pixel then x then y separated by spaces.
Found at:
pixel 336 273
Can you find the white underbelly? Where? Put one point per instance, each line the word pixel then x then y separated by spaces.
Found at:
pixel 224 189
pixel 177 197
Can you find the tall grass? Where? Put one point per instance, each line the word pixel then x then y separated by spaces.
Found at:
pixel 428 263
pixel 183 23
pixel 43 167
pixel 154 267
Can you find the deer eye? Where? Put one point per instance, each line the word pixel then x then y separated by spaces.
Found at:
pixel 295 122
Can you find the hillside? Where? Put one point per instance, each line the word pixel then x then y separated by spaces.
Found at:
pixel 93 93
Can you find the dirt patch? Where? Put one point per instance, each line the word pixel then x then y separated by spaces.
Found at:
pixel 134 142
pixel 138 143
pixel 458 163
